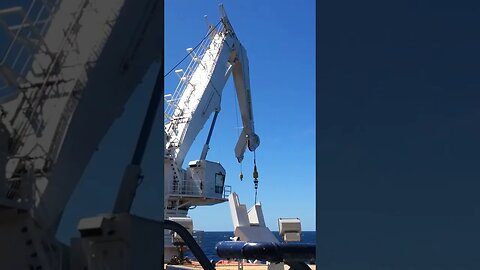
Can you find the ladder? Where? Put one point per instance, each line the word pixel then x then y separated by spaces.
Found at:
pixel 175 114
pixel 172 100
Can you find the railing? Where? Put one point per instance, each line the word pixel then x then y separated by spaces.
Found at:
pixel 34 100
pixel 187 187
pixel 172 100
pixel 227 190
pixel 195 188
pixel 26 29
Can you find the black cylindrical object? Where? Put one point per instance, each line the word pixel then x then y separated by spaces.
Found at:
pixel 268 251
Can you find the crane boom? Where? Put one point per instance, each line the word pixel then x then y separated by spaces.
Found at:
pixel 242 86
pixel 202 93
pixel 197 96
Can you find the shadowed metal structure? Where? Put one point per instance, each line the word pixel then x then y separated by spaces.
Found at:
pixel 69 68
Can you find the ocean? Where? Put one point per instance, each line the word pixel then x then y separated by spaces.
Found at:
pixel 210 239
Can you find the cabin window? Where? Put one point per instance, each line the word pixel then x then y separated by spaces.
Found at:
pixel 219 181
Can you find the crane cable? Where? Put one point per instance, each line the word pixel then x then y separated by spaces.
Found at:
pixel 206 36
pixel 255 175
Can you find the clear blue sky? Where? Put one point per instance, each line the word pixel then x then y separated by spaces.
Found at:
pixel 280 41
pixel 279 37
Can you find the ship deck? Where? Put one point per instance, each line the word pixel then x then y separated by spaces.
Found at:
pixel 229 266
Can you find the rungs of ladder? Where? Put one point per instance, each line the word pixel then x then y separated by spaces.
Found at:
pixel 50 5
pixel 26 25
pixel 18 27
pixel 169 101
pixel 12 10
pixel 32 43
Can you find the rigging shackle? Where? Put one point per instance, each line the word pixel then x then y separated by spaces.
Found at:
pixel 255 176
pixel 255 172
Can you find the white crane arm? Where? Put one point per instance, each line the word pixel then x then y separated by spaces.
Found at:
pixel 242 86
pixel 199 94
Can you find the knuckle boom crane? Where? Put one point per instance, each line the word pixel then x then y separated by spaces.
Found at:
pixel 196 97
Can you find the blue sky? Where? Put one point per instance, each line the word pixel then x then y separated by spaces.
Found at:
pixel 279 37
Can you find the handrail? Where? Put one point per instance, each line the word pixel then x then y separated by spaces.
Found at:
pixel 198 54
pixel 42 17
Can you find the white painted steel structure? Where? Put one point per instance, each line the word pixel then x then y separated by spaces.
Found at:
pixel 188 108
pixel 249 225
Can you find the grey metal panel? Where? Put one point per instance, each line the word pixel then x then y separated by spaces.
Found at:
pixel 119 69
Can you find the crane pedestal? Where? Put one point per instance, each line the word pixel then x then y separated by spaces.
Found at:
pixel 26 245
